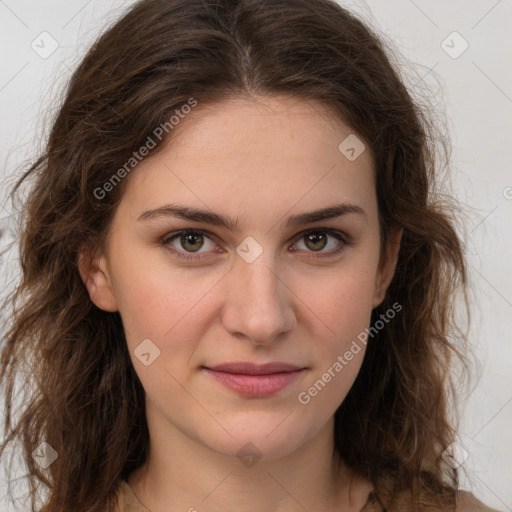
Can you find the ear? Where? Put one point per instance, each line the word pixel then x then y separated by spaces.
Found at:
pixel 387 265
pixel 96 277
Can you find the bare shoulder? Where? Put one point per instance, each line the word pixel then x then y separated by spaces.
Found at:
pixel 464 502
pixel 373 504
pixel 126 501
pixel 467 502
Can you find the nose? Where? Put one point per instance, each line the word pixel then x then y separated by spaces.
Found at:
pixel 260 306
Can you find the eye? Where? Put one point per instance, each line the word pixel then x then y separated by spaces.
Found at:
pixel 317 240
pixel 190 240
pixel 187 243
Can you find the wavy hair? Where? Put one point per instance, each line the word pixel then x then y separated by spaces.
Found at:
pixel 81 393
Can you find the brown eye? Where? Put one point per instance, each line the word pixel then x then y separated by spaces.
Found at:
pixel 316 241
pixel 191 242
pixel 187 243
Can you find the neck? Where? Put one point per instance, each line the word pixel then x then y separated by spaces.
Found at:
pixel 183 474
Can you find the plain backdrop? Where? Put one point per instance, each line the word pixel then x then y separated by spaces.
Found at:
pixel 460 50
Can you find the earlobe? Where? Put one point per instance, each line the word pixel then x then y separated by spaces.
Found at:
pixel 96 277
pixel 387 269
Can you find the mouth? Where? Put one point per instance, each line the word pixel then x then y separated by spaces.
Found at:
pixel 255 381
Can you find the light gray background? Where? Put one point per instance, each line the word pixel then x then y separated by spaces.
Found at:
pixel 475 90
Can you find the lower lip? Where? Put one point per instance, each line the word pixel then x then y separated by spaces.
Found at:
pixel 255 385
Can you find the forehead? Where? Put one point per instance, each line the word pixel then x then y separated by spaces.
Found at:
pixel 238 125
pixel 254 154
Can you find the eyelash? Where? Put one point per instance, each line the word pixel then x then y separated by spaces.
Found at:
pixel 341 237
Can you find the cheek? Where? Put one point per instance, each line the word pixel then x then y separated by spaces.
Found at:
pixel 341 300
pixel 155 298
pixel 340 307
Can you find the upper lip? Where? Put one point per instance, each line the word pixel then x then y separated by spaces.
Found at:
pixel 255 369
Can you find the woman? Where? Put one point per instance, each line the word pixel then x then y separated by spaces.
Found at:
pixel 300 360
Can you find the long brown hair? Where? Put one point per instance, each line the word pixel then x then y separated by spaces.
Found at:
pixel 81 393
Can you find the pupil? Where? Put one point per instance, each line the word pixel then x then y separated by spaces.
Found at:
pixel 315 237
pixel 190 239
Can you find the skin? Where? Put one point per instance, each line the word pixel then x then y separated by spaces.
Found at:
pixel 261 161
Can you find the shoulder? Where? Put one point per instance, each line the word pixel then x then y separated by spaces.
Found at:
pixel 126 501
pixel 373 504
pixel 464 502
pixel 467 502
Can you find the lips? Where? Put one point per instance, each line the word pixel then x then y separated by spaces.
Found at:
pixel 255 381
pixel 255 369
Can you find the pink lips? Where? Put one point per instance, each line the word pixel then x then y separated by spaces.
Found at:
pixel 252 380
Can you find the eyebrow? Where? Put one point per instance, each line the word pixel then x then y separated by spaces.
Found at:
pixel 215 219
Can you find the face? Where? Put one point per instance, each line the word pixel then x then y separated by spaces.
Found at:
pixel 255 281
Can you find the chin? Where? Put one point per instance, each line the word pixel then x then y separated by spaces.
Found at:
pixel 253 438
